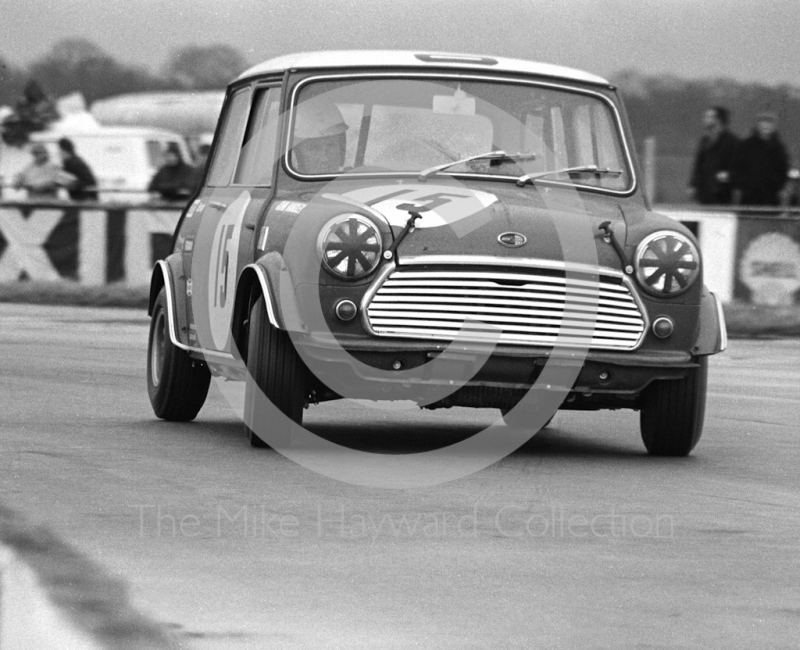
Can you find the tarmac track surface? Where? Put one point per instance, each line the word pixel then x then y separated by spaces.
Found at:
pixel 154 534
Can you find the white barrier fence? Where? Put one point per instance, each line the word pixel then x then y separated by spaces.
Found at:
pixel 92 245
pixel 750 255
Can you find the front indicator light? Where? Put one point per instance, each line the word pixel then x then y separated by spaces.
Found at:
pixel 346 310
pixel 663 327
pixel 667 263
pixel 350 246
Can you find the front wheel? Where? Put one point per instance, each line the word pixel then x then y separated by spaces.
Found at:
pixel 672 412
pixel 176 383
pixel 276 374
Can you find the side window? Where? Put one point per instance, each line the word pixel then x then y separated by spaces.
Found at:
pixel 168 144
pixel 227 151
pixel 533 140
pixel 544 134
pixel 154 154
pixel 609 152
pixel 584 142
pixel 595 143
pixel 257 159
pixel 559 144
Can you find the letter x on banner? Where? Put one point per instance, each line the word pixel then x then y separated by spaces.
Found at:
pixel 24 236
pixel 91 246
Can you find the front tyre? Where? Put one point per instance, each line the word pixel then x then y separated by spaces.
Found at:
pixel 176 383
pixel 672 412
pixel 275 372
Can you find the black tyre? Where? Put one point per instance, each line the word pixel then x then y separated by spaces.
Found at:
pixel 176 383
pixel 276 371
pixel 672 412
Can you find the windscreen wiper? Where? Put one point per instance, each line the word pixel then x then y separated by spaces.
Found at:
pixel 582 169
pixel 497 155
pixel 425 173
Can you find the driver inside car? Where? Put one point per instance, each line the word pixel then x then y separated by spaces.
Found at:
pixel 320 137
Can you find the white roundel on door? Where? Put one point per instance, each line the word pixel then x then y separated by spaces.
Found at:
pixel 222 269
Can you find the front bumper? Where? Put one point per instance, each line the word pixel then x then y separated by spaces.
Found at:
pixel 480 375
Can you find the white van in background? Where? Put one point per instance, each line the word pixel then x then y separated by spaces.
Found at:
pixel 123 159
pixel 193 114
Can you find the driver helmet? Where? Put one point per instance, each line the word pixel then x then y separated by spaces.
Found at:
pixel 318 118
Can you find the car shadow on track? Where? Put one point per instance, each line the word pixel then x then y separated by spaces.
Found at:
pixel 397 437
pixel 555 442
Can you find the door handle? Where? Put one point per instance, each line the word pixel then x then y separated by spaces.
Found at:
pixel 218 205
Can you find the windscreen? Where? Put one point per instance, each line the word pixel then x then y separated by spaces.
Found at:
pixel 407 125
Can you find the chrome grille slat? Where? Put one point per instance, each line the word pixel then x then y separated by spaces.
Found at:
pixel 516 295
pixel 507 327
pixel 495 279
pixel 405 276
pixel 528 307
pixel 490 288
pixel 573 307
pixel 577 341
pixel 493 319
pixel 385 309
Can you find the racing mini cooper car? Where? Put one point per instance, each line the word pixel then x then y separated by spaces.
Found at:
pixel 453 230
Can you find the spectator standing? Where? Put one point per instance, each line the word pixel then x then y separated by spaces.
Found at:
pixel 711 177
pixel 41 178
pixel 761 164
pixel 176 180
pixel 84 187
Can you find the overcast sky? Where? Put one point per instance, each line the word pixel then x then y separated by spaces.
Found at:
pixel 748 40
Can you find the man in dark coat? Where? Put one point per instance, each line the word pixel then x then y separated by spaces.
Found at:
pixel 711 177
pixel 175 181
pixel 84 187
pixel 761 164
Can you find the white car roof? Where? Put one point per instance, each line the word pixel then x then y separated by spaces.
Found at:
pixel 165 98
pixel 106 132
pixel 421 60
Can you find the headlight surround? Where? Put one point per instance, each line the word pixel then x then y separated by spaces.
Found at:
pixel 350 246
pixel 667 263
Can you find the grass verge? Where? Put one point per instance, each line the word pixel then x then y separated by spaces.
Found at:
pixel 73 294
pixel 746 320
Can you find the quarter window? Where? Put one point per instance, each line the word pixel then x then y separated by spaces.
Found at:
pixel 257 158
pixel 227 151
pixel 155 154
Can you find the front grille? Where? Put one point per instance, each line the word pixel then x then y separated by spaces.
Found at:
pixel 525 306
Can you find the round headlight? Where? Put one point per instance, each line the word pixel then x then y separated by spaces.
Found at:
pixel 667 263
pixel 350 246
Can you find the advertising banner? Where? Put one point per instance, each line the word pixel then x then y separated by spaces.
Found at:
pixel 90 245
pixel 767 267
pixel 749 256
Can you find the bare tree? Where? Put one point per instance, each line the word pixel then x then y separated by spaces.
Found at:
pixel 77 64
pixel 12 81
pixel 204 67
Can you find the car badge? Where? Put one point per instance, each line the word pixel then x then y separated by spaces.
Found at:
pixel 512 239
